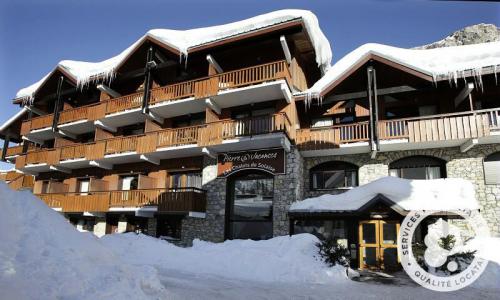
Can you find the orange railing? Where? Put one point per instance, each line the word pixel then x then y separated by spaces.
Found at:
pixel 167 200
pixel 211 85
pixel 332 137
pixel 442 127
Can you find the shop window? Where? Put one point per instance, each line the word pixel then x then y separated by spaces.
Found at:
pixel 333 175
pixel 492 169
pixel 418 167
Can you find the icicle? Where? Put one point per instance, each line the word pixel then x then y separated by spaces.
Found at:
pixel 495 71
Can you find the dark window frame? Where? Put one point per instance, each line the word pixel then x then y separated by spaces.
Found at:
pixel 333 166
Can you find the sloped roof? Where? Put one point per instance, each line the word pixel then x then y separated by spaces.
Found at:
pixel 184 40
pixel 450 63
pixel 437 194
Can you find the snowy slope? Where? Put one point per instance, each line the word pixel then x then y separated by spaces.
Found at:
pixel 450 61
pixel 437 194
pixel 183 40
pixel 42 256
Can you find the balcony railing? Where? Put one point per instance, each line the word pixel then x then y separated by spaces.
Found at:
pixel 36 123
pixel 332 137
pixel 167 200
pixel 442 127
pixel 202 135
pixel 17 181
pixel 210 86
pixel 198 88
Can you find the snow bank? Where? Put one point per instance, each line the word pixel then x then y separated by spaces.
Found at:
pixel 450 62
pixel 436 194
pixel 281 259
pixel 488 249
pixel 183 40
pixel 42 256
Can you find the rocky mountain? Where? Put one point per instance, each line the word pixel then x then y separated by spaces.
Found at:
pixel 474 34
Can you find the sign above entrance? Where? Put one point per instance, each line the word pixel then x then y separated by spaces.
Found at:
pixel 269 160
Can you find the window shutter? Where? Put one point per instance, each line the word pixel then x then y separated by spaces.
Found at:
pixel 492 172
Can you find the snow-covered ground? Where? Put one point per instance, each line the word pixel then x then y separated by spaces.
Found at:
pixel 43 257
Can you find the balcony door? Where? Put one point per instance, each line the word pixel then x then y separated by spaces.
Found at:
pixel 83 186
pixel 250 206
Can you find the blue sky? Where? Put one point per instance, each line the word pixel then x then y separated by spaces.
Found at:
pixel 34 36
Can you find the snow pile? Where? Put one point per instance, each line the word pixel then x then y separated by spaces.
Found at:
pixel 42 256
pixel 488 249
pixel 450 62
pixel 281 259
pixel 436 194
pixel 183 40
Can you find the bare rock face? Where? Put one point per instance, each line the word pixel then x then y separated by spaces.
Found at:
pixel 474 34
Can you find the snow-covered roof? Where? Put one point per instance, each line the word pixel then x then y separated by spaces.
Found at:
pixel 13 119
pixel 184 40
pixel 448 62
pixel 437 194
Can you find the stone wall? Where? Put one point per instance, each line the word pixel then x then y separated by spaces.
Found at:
pixel 287 189
pixel 468 165
pixel 210 228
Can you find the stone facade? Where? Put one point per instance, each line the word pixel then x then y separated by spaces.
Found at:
pixel 468 165
pixel 287 189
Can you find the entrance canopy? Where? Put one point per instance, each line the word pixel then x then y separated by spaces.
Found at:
pixel 401 194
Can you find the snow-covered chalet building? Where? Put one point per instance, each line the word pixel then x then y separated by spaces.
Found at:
pixel 213 133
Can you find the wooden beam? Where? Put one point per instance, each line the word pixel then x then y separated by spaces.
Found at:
pixel 286 92
pixel 101 165
pixel 286 50
pixel 106 89
pixel 211 60
pixel 67 134
pixel 469 144
pixel 464 93
pixel 150 159
pixel 36 110
pixel 60 169
pixel 212 105
pixel 100 124
pixel 209 153
pixel 154 116
pixel 380 92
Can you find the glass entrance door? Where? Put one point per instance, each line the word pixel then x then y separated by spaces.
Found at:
pixel 378 244
pixel 250 210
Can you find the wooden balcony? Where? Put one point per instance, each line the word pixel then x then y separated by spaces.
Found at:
pixel 208 134
pixel 17 181
pixel 456 126
pixel 211 85
pixel 166 200
pixel 14 150
pixel 199 88
pixel 36 123
pixel 332 137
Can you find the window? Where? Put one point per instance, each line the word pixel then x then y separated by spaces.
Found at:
pixel 334 175
pixel 83 186
pixel 322 122
pixel 129 183
pixel 322 229
pixel 418 167
pixel 251 207
pixel 185 180
pixel 492 168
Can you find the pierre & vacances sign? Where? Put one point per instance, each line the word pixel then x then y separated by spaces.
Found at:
pixel 269 160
